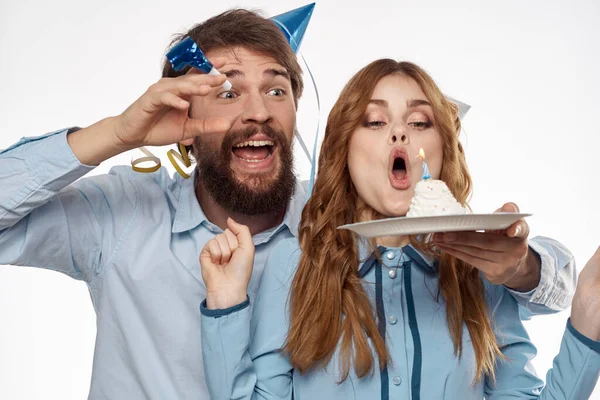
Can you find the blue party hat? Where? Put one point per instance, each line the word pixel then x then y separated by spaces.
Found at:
pixel 293 24
pixel 463 108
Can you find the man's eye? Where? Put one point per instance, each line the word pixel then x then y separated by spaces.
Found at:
pixel 227 95
pixel 276 92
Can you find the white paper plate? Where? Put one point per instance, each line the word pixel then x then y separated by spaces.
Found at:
pixel 445 223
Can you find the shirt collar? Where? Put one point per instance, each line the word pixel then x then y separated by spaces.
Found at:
pixel 189 214
pixel 293 214
pixel 422 260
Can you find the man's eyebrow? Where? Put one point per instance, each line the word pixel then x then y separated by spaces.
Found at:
pixel 273 72
pixel 233 73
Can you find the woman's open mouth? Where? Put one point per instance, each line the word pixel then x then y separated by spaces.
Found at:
pixel 399 169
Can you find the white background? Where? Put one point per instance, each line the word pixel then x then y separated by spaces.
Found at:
pixel 529 69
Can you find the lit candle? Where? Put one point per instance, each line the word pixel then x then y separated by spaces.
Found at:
pixel 425 168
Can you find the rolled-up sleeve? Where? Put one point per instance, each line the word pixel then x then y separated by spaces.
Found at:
pixel 558 278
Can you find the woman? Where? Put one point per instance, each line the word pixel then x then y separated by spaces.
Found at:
pixel 340 318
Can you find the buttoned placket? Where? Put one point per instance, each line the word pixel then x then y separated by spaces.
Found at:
pixel 397 333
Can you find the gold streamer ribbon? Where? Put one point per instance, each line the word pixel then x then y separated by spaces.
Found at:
pixel 182 156
pixel 173 155
pixel 149 158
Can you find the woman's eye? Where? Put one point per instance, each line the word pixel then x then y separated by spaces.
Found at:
pixel 375 124
pixel 420 125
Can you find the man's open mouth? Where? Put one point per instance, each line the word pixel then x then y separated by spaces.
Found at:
pixel 254 151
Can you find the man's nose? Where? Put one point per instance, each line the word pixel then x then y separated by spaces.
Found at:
pixel 256 109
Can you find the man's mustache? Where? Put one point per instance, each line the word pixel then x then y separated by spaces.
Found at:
pixel 239 135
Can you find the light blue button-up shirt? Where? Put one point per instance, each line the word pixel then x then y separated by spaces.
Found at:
pixel 135 239
pixel 243 357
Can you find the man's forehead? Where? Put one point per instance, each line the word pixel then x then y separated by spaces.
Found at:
pixel 240 57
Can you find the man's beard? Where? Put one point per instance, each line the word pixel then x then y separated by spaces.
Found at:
pixel 259 194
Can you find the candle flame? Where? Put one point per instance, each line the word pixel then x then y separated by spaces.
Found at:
pixel 421 153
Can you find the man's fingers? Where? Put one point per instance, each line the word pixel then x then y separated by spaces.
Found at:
pixel 211 125
pixel 177 97
pixel 218 62
pixel 188 85
pixel 189 89
pixel 170 100
pixel 196 77
pixel 182 87
pixel 155 102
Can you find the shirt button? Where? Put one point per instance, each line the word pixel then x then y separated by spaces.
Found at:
pixel 390 255
pixel 393 320
pixel 397 380
pixel 392 274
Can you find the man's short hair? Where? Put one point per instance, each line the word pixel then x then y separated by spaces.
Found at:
pixel 248 29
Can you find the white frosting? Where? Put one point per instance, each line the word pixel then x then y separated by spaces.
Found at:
pixel 432 197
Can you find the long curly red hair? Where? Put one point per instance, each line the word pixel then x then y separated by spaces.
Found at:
pixel 328 304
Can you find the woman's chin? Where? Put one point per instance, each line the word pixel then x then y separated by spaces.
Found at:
pixel 393 211
pixel 386 209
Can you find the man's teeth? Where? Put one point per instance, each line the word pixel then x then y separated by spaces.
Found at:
pixel 251 161
pixel 255 143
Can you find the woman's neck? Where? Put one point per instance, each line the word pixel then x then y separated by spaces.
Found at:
pixel 368 214
pixel 393 241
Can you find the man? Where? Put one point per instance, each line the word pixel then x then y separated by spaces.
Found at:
pixel 135 238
